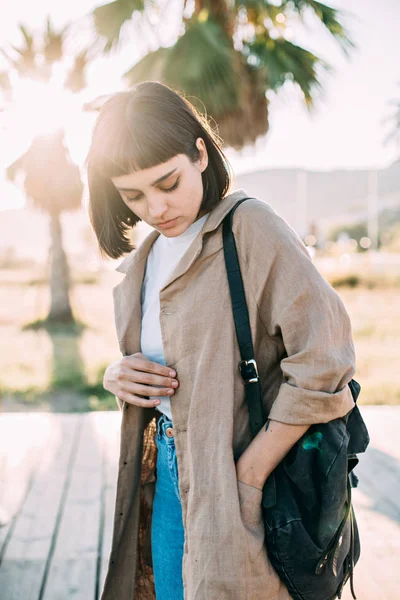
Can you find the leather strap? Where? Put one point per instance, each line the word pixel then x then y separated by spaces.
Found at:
pixel 247 369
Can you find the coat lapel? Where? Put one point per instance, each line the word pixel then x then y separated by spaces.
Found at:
pixel 127 294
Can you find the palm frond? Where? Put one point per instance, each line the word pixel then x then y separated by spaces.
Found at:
pixel 330 17
pixel 202 63
pixel 109 19
pixel 52 180
pixel 53 43
pixel 16 167
pixel 394 120
pixel 97 103
pixel 283 60
pixel 5 84
pixel 28 37
pixel 206 65
pixel 249 121
pixel 25 62
pixel 76 78
pixel 151 66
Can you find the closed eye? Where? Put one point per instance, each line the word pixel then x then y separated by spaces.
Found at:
pixel 170 189
pixel 173 187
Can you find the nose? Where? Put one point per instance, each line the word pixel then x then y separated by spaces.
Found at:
pixel 157 207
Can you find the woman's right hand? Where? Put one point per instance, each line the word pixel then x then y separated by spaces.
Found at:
pixel 133 379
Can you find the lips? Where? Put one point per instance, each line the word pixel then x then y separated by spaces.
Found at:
pixel 170 223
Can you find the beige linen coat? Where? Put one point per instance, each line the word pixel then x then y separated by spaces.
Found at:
pixel 305 354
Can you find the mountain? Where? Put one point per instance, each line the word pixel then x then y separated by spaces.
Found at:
pixel 325 198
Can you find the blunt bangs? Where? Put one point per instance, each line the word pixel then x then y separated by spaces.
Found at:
pixel 131 137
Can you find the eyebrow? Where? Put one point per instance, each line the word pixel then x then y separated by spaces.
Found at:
pixel 153 184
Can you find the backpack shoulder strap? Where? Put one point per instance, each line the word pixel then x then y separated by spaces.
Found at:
pixel 247 365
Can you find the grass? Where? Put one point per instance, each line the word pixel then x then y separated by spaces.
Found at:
pixel 42 280
pixel 57 401
pixel 74 328
pixel 375 322
pixel 61 369
pixel 369 281
pixel 67 390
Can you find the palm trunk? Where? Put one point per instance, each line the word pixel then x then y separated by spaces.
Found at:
pixel 68 368
pixel 60 307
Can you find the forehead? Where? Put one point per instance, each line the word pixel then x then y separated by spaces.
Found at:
pixel 145 177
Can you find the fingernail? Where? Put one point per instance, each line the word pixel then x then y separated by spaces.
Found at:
pixel 156 402
pixel 172 373
pixel 170 391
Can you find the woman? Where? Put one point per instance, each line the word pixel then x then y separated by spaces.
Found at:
pixel 188 520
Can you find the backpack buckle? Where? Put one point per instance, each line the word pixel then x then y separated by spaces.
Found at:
pixel 249 371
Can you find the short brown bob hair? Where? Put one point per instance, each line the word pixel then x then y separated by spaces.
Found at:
pixel 138 129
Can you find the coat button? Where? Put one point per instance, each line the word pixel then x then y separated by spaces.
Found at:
pixel 169 432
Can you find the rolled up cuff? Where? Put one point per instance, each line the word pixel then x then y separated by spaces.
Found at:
pixel 298 406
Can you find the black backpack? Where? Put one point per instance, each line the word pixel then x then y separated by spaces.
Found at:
pixel 311 531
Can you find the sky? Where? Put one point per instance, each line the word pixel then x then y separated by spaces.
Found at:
pixel 346 128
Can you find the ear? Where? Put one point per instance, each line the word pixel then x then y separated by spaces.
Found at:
pixel 203 154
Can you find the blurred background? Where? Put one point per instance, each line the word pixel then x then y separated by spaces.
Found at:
pixel 306 96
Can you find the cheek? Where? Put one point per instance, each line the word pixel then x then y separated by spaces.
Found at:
pixel 193 190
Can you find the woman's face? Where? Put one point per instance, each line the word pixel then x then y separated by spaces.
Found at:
pixel 170 191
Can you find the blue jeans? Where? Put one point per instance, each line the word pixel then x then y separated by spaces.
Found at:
pixel 167 532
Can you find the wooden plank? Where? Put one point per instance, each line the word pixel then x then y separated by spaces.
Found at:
pixel 25 560
pixel 376 506
pixel 76 557
pixel 112 423
pixel 73 563
pixel 21 439
pixel 376 573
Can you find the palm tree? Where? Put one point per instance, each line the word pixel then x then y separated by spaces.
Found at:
pixel 228 55
pixel 54 184
pixel 51 181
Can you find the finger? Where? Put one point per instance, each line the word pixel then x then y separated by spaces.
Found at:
pixel 137 401
pixel 147 378
pixel 142 363
pixel 145 390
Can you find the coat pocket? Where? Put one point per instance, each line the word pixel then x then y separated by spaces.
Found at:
pixel 250 499
pixel 261 579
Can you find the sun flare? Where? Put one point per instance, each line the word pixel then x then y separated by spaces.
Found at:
pixel 40 108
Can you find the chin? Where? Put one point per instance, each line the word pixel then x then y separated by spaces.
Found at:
pixel 173 232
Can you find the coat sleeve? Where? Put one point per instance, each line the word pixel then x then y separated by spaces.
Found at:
pixel 297 304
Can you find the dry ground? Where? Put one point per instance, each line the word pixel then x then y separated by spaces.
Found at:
pixel 30 360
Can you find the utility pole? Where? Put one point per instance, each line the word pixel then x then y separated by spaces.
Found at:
pixel 373 216
pixel 301 202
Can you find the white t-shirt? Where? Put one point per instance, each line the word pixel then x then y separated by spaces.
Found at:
pixel 163 257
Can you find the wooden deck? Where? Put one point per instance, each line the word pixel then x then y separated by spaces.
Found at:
pixel 57 486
